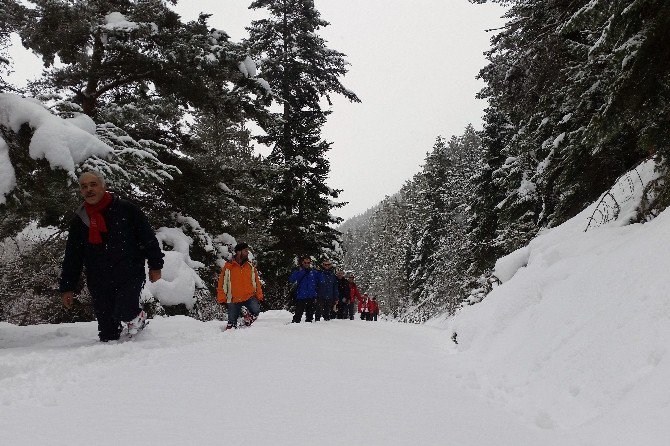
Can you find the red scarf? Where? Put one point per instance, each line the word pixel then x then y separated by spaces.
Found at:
pixel 94 212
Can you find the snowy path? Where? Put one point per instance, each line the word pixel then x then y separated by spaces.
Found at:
pixel 185 382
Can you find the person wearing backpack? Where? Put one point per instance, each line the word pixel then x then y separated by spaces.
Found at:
pixel 306 280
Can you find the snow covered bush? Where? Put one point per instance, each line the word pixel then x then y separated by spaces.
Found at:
pixel 29 271
pixel 43 153
pixel 179 280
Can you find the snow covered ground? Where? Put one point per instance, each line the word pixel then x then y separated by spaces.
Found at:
pixel 187 382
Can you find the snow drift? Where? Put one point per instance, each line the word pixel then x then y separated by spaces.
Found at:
pixel 577 336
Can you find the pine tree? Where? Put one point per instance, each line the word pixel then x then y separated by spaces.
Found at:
pixel 302 71
pixel 524 80
pixel 443 193
pixel 234 180
pixel 486 194
pixel 429 210
pixel 118 51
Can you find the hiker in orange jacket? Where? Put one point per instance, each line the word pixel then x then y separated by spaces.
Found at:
pixel 240 288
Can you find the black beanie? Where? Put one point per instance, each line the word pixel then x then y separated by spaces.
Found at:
pixel 240 246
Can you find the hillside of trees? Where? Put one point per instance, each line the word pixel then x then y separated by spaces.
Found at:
pixel 578 95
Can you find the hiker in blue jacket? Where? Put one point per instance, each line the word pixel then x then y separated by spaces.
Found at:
pixel 306 279
pixel 326 291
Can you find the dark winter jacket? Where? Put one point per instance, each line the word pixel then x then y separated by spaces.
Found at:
pixel 327 286
pixel 343 290
pixel 121 255
pixel 307 280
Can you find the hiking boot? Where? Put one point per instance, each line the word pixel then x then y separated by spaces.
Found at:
pixel 229 327
pixel 109 338
pixel 137 324
pixel 247 316
pixel 248 320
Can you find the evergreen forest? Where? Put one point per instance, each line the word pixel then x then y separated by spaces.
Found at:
pixel 578 93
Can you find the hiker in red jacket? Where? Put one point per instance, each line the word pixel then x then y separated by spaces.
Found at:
pixel 354 296
pixel 373 307
pixel 363 307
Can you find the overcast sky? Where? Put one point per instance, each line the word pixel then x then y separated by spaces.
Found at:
pixel 413 64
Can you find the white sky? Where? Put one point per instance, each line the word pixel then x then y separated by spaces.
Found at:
pixel 413 64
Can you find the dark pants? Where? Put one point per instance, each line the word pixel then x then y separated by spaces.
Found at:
pixel 333 311
pixel 343 310
pixel 374 316
pixel 234 309
pixel 323 308
pixel 115 301
pixel 304 306
pixel 352 310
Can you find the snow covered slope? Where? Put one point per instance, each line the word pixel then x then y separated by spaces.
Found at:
pixel 577 337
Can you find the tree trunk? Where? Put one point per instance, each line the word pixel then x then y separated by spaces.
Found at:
pixel 89 96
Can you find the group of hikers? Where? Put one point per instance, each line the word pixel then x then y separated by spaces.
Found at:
pixel 326 293
pixel 112 238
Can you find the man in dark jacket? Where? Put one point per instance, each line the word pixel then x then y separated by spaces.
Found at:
pixel 344 292
pixel 111 238
pixel 326 291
